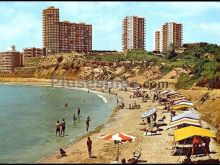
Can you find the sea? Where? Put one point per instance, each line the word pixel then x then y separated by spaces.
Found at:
pixel 28 116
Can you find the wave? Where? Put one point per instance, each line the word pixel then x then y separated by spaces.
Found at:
pixel 92 91
pixel 103 98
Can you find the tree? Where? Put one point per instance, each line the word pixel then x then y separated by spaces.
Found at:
pixel 171 52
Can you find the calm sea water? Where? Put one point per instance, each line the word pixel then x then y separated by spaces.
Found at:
pixel 28 115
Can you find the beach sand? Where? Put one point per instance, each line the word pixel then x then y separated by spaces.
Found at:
pixel 155 149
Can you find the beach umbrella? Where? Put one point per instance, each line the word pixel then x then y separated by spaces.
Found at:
pixel 118 138
pixel 184 103
pixel 172 92
pixel 148 113
pixel 182 100
pixel 180 107
pixel 179 98
pixel 186 114
pixel 184 121
pixel 164 92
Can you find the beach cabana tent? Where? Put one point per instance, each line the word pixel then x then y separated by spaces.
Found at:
pixel 184 121
pixel 186 132
pixel 181 107
pixel 190 131
pixel 186 114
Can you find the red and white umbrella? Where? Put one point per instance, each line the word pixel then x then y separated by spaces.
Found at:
pixel 118 137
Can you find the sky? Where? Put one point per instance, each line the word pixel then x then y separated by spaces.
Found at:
pixel 21 22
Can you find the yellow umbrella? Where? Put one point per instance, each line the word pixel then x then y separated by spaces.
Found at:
pixel 182 106
pixel 186 132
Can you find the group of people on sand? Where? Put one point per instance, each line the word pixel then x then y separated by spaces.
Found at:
pixel 134 106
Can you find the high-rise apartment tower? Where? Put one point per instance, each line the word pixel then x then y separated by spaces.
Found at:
pixel 171 33
pixel 157 41
pixel 133 35
pixel 64 36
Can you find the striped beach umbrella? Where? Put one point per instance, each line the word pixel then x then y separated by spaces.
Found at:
pixel 118 137
pixel 121 137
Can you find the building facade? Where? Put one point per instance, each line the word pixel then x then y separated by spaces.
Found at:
pixel 133 33
pixel 34 52
pixel 65 36
pixel 171 33
pixel 157 41
pixel 9 60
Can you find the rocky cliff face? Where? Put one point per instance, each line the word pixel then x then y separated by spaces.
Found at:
pixel 74 66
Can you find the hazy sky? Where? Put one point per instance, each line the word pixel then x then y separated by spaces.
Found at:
pixel 21 22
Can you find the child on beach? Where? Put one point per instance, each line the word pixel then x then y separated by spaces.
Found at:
pixel 62 152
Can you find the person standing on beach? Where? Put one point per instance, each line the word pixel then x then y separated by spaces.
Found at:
pixel 78 112
pixel 87 123
pixel 63 126
pixel 89 146
pixel 58 127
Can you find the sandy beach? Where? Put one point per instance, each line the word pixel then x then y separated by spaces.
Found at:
pixel 155 149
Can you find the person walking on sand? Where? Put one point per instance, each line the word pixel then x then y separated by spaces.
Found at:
pixel 78 112
pixel 63 126
pixel 58 127
pixel 87 123
pixel 89 146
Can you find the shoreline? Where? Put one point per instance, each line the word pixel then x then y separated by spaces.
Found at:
pixel 45 83
pixel 77 152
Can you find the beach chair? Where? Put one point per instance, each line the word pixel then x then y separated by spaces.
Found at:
pixel 152 133
pixel 135 158
pixel 115 162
